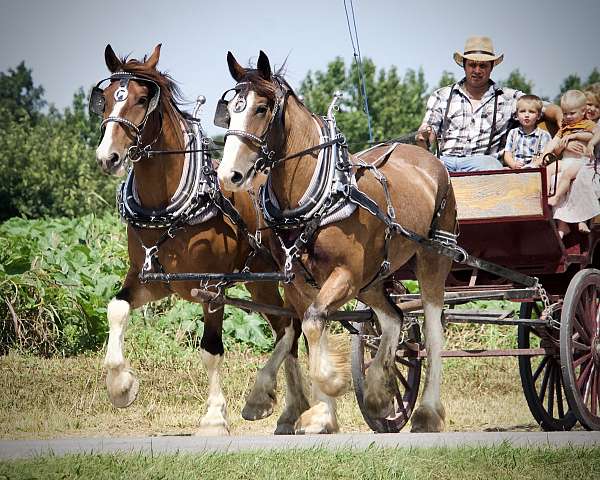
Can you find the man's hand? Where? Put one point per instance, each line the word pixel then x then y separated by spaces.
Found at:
pixel 425 137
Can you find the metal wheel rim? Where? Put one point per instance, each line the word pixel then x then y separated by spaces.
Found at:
pixel 580 346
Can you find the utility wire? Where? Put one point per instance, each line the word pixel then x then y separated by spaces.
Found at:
pixel 358 60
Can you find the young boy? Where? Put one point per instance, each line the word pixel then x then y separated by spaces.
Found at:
pixel 525 143
pixel 570 142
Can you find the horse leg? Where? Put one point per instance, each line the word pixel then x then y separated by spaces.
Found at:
pixel 380 378
pixel 263 397
pixel 295 396
pixel 214 421
pixel 329 368
pixel 432 270
pixel 121 383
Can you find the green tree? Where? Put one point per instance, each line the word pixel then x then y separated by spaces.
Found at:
pixel 47 161
pixel 572 82
pixel 19 97
pixel 396 104
pixel 594 77
pixel 518 81
pixel 448 78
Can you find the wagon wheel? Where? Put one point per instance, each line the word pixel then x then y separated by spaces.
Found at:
pixel 407 369
pixel 541 377
pixel 580 346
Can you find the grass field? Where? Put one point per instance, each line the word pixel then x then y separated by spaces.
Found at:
pixel 503 462
pixel 44 398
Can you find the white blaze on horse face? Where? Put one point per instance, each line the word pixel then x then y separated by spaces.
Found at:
pixel 237 156
pixel 107 146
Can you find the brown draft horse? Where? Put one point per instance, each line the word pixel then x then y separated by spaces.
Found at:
pixel 345 255
pixel 215 245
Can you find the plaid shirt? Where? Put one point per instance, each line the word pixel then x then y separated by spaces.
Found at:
pixel 467 132
pixel 524 146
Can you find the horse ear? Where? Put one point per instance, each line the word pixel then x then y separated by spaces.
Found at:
pixel 263 65
pixel 112 61
pixel 235 69
pixel 153 60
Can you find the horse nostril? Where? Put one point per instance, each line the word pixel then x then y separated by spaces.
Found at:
pixel 237 178
pixel 114 159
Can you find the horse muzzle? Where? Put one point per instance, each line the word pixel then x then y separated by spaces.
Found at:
pixel 111 163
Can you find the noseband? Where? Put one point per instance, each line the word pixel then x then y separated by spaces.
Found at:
pixel 97 106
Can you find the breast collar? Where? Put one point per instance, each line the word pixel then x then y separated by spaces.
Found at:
pixel 193 201
pixel 325 193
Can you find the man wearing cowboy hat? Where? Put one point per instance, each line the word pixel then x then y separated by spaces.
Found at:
pixel 470 119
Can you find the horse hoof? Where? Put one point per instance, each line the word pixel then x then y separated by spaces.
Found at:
pixel 379 402
pixel 316 420
pixel 212 431
pixel 212 427
pixel 425 419
pixel 284 429
pixel 258 411
pixel 122 388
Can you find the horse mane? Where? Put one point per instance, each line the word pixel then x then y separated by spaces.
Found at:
pixel 169 89
pixel 172 98
pixel 266 88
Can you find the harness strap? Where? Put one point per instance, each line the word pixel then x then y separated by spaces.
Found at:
pixel 447 249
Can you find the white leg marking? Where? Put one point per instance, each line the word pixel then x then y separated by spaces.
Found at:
pixel 118 314
pixel 321 417
pixel 434 342
pixel 214 421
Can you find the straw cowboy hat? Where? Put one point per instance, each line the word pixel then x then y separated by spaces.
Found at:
pixel 480 49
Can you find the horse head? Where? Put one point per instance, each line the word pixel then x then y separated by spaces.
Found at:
pixel 127 102
pixel 253 116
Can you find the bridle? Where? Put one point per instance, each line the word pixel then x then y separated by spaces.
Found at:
pixel 222 119
pixel 267 160
pixel 97 105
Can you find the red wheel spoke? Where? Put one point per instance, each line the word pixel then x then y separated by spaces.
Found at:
pixel 584 358
pixel 581 329
pixel 539 369
pixel 584 376
pixel 580 346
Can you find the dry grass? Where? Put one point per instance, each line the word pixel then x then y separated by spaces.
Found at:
pixel 42 398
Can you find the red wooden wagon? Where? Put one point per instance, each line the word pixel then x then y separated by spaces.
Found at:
pixel 504 218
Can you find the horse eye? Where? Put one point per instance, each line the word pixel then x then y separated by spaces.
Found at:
pixel 143 100
pixel 261 109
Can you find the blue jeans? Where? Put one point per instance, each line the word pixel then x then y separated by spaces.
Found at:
pixel 473 163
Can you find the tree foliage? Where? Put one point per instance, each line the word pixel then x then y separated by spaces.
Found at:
pixel 47 163
pixel 518 81
pixel 396 104
pixel 19 97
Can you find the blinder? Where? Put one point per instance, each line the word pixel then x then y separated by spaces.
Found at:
pixel 222 117
pixel 97 102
